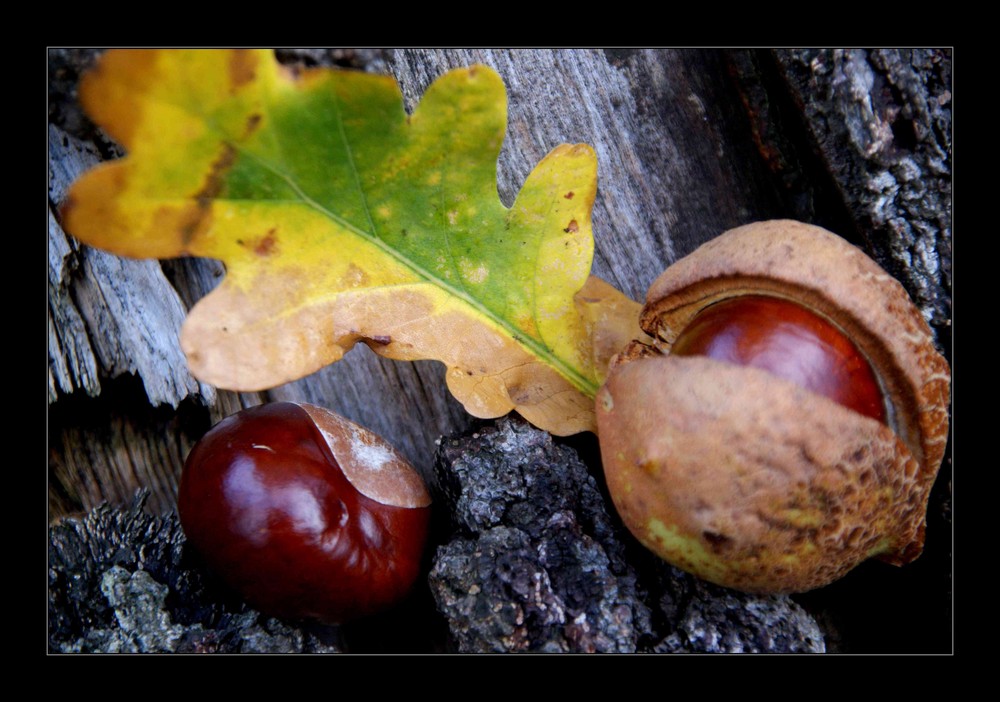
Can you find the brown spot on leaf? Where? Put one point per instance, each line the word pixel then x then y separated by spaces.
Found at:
pixel 192 220
pixel 214 182
pixel 355 277
pixel 242 68
pixel 572 227
pixel 569 195
pixel 253 121
pixel 187 221
pixel 383 339
pixel 267 245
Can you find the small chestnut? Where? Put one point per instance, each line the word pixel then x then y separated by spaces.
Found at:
pixel 304 513
pixel 787 421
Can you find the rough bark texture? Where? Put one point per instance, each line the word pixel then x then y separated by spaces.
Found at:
pixel 889 149
pixel 880 124
pixel 538 564
pixel 121 581
pixel 690 143
pixel 535 564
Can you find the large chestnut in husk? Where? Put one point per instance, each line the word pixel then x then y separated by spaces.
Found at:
pixel 788 420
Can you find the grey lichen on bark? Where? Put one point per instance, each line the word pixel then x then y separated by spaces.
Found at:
pixel 122 581
pixel 881 120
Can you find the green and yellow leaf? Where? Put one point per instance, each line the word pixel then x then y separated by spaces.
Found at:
pixel 341 219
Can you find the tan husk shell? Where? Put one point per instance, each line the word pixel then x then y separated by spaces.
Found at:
pixel 751 481
pixel 821 271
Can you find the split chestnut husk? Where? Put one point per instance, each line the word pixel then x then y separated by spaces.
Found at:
pixel 751 476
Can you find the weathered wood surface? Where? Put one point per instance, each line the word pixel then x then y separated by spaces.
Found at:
pixel 689 142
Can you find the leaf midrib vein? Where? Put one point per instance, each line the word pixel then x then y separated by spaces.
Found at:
pixel 536 347
pixel 572 375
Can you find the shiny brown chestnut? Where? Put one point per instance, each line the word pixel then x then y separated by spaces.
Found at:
pixel 755 476
pixel 789 341
pixel 304 513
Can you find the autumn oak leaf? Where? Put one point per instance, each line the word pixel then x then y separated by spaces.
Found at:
pixel 341 219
